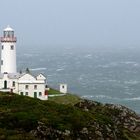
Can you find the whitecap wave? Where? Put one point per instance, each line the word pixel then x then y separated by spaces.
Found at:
pixel 113 64
pixel 128 93
pixel 38 69
pixel 88 56
pixel 28 54
pixel 61 69
pixel 132 82
pixel 100 96
pixel 129 62
pixel 110 98
pixel 132 99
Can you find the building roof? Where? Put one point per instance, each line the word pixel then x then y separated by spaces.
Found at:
pixel 22 77
pixel 8 28
pixel 40 77
pixel 30 82
pixel 14 75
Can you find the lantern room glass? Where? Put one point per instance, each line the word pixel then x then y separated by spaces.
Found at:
pixel 8 34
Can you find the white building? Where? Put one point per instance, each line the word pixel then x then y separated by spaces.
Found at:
pixel 63 88
pixel 10 80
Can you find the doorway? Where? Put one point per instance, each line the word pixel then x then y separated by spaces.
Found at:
pixel 5 84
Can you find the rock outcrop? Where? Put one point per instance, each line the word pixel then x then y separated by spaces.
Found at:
pixel 110 122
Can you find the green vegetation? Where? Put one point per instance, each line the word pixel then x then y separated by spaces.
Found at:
pixel 53 92
pixel 19 115
pixel 66 99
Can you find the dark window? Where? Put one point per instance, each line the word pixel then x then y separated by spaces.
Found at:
pixel 21 93
pixel 2 47
pixel 4 34
pixel 12 33
pixel 12 47
pixel 35 94
pixel 8 34
pixel 40 93
pixel 26 87
pixel 13 83
pixel 26 93
pixel 63 87
pixel 35 86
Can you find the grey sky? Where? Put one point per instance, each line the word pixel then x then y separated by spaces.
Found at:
pixel 73 22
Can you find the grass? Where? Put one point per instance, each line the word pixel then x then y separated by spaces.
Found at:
pixel 53 92
pixel 23 113
pixel 66 99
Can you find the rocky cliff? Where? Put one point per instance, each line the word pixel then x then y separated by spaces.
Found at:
pixel 110 122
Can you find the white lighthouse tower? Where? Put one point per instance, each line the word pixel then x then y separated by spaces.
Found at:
pixel 8 51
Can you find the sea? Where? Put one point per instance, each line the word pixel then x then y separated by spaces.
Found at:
pixel 108 74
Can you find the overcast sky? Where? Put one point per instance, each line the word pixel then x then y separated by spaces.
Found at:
pixel 72 22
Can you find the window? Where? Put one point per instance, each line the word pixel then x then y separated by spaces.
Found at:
pixel 63 86
pixel 26 93
pixel 35 94
pixel 8 34
pixel 4 34
pixel 35 86
pixel 2 47
pixel 26 86
pixel 21 93
pixel 1 62
pixel 40 93
pixel 13 83
pixel 12 47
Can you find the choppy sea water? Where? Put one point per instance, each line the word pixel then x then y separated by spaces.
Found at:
pixel 105 74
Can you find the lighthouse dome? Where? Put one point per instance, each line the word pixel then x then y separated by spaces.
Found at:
pixel 8 28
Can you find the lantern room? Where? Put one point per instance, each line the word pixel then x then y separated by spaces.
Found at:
pixel 8 35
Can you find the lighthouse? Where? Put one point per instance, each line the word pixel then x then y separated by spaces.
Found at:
pixel 8 51
pixel 10 80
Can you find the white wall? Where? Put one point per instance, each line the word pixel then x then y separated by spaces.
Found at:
pixel 8 57
pixel 31 90
pixel 20 86
pixel 63 88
